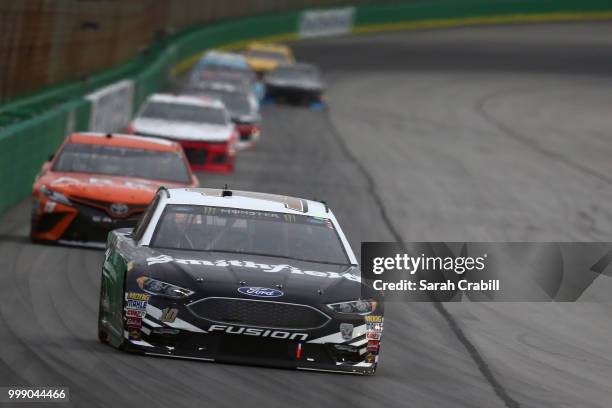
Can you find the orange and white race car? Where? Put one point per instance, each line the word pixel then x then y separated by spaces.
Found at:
pixel 98 182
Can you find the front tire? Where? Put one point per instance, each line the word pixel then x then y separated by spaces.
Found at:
pixel 102 333
pixel 371 371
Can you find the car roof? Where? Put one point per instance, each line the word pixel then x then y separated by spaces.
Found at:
pixel 187 100
pixel 281 48
pixel 225 72
pixel 227 57
pixel 223 75
pixel 120 140
pixel 248 200
pixel 220 86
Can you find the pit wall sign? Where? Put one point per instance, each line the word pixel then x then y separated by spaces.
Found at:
pixel 111 106
pixel 320 23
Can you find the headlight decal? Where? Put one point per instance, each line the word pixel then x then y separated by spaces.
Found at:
pixel 54 195
pixel 359 306
pixel 161 288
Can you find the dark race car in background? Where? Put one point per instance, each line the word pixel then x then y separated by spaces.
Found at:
pixel 98 182
pixel 295 83
pixel 240 277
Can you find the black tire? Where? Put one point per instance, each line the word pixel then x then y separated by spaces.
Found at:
pixel 102 333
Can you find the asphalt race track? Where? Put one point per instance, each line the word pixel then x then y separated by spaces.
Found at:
pixel 488 133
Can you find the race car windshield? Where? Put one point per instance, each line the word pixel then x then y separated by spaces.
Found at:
pixel 123 162
pixel 181 112
pixel 245 72
pixel 293 72
pixel 221 66
pixel 203 228
pixel 236 103
pixel 270 55
pixel 205 81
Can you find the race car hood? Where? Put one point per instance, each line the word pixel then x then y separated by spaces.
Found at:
pixel 304 83
pixel 262 64
pixel 222 274
pixel 128 190
pixel 246 119
pixel 183 130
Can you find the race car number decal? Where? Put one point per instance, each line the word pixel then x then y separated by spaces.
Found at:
pixel 168 315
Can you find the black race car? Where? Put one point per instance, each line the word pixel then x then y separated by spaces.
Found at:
pixel 239 277
pixel 295 83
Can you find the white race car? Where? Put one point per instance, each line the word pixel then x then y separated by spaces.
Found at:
pixel 201 125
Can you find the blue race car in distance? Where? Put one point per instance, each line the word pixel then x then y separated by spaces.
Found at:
pixel 232 62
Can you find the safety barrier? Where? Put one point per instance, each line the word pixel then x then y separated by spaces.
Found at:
pixel 26 144
pixel 452 13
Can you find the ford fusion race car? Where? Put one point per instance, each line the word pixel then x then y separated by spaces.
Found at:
pixel 298 83
pixel 98 182
pixel 201 125
pixel 240 277
pixel 264 57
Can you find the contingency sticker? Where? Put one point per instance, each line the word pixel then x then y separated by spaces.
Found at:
pixel 135 311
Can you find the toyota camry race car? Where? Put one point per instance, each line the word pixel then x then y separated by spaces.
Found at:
pixel 201 125
pixel 297 83
pixel 240 277
pixel 98 182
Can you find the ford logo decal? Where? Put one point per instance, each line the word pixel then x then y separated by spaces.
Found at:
pixel 260 292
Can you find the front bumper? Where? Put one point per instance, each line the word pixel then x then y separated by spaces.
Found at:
pixel 77 223
pixel 294 94
pixel 248 135
pixel 209 156
pixel 226 348
pixel 187 336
